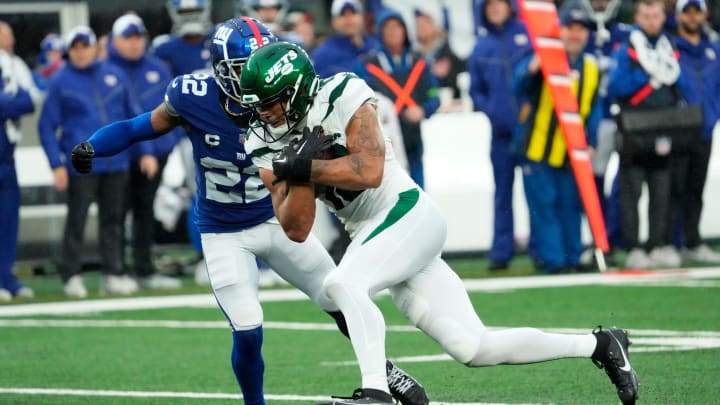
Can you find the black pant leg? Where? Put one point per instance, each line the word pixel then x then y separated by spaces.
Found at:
pixel 678 195
pixel 81 192
pixel 696 178
pixel 631 181
pixel 111 218
pixel 141 194
pixel 659 203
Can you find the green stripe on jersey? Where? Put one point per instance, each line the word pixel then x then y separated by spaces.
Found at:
pixel 405 203
pixel 337 92
pixel 262 151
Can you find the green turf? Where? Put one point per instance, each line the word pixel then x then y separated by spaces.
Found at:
pixel 197 360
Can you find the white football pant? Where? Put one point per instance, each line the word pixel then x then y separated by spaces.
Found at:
pixel 233 271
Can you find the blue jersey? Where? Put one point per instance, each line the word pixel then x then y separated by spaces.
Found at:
pixel 230 194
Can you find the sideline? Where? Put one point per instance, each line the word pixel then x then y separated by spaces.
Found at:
pixel 694 277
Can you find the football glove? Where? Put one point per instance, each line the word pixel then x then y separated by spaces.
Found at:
pixel 294 163
pixel 81 157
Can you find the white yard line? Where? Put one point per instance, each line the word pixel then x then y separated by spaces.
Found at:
pixel 170 394
pixel 680 277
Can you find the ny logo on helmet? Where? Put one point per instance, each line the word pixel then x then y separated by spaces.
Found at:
pixel 281 67
pixel 221 35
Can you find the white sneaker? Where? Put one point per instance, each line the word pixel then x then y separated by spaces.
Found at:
pixel 159 282
pixel 25 292
pixel 112 284
pixel 5 295
pixel 665 256
pixel 268 278
pixel 75 288
pixel 201 273
pixel 702 254
pixel 130 284
pixel 637 259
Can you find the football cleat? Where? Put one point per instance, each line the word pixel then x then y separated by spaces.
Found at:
pixel 405 388
pixel 616 362
pixel 362 396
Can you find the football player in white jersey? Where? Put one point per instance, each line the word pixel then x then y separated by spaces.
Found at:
pixel 397 231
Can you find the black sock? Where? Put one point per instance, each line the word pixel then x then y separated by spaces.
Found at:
pixel 340 321
pixel 603 341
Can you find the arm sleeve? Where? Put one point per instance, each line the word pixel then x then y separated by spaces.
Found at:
pixel 48 123
pixel 118 136
pixel 622 80
pixel 15 106
pixel 478 87
pixel 523 81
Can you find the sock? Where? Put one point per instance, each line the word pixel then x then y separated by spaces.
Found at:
pixel 248 364
pixel 600 349
pixel 340 321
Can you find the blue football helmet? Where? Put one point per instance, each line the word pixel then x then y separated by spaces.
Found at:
pixel 231 46
pixel 190 17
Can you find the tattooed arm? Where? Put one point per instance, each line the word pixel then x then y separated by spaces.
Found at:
pixel 294 205
pixel 363 167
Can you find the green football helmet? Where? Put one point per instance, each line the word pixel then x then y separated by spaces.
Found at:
pixel 280 71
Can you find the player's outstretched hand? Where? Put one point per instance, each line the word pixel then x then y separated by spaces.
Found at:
pixel 81 157
pixel 294 163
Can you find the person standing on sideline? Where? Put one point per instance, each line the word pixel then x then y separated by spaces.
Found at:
pixel 700 65
pixel 646 75
pixel 397 230
pixel 432 42
pixel 15 101
pixel 82 96
pixel 553 199
pixel 402 75
pixel 501 43
pixel 340 51
pixel 147 79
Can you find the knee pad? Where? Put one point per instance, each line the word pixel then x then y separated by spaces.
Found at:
pixel 242 311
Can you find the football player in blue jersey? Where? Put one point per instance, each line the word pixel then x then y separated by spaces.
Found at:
pixel 233 209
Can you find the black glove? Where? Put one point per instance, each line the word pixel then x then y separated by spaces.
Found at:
pixel 294 163
pixel 81 157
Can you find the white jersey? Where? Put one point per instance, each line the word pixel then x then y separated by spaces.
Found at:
pixel 337 101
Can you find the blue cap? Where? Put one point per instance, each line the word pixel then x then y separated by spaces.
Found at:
pixel 127 25
pixel 681 5
pixel 80 33
pixel 338 7
pixel 573 15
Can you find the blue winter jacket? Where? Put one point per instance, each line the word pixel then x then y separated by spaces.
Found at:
pixel 148 77
pixel 490 66
pixel 338 54
pixel 701 68
pixel 626 77
pixel 12 106
pixel 80 101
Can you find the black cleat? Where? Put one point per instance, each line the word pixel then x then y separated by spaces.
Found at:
pixel 615 360
pixel 364 396
pixel 405 388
